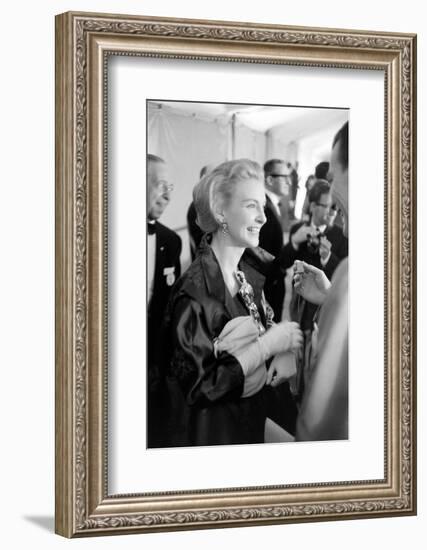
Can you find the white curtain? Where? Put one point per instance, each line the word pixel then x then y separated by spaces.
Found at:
pixel 187 142
pixel 249 144
pixel 309 150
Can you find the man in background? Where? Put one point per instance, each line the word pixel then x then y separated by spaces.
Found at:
pixel 316 241
pixel 163 269
pixel 277 181
pixel 277 178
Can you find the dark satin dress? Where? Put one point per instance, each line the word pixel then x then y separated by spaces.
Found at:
pixel 206 407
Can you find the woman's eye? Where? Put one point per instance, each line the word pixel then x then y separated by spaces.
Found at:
pixel 251 205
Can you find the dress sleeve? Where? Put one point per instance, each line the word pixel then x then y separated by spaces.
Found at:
pixel 204 378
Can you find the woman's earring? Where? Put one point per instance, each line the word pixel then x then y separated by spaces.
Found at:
pixel 224 226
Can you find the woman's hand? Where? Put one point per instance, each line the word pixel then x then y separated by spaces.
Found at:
pixel 284 336
pixel 310 282
pixel 281 369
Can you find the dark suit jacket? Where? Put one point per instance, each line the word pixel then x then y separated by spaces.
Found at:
pixel 271 239
pixel 282 407
pixel 339 250
pixel 168 250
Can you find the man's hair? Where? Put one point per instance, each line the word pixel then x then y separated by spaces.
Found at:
pixel 154 158
pixel 321 170
pixel 341 137
pixel 270 165
pixel 321 187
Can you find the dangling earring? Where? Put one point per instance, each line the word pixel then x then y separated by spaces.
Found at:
pixel 224 226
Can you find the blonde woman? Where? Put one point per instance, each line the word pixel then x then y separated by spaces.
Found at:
pixel 219 327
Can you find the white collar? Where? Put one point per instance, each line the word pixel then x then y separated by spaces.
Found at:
pixel 275 199
pixel 321 228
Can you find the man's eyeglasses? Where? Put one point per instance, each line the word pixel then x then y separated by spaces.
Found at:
pixel 164 186
pixel 287 176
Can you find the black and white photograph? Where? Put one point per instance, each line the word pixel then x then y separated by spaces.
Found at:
pixel 247 273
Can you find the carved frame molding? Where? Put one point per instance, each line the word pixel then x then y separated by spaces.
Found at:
pixel 83 43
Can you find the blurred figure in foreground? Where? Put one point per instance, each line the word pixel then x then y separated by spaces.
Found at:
pixel 324 409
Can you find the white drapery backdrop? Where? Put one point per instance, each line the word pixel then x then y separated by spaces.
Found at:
pixel 190 135
pixel 187 141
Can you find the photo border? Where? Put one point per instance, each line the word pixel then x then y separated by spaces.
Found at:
pixel 83 43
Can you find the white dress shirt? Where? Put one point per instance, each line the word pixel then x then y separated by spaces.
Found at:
pixel 151 264
pixel 322 229
pixel 275 199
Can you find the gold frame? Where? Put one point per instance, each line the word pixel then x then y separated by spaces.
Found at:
pixel 83 42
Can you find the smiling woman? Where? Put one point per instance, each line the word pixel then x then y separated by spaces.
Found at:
pixel 219 325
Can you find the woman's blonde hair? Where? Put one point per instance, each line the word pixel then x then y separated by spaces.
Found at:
pixel 216 188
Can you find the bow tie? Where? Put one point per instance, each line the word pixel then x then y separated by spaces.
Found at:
pixel 151 228
pixel 317 229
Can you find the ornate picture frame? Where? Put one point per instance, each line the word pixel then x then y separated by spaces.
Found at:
pixel 83 44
